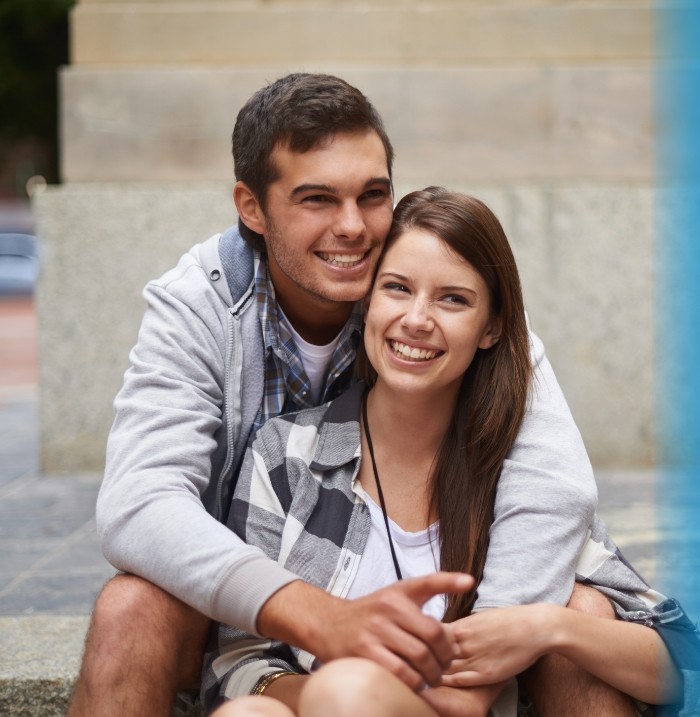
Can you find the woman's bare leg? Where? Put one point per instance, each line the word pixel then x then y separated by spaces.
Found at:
pixel 355 686
pixel 253 706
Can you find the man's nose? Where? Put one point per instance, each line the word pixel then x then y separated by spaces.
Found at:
pixel 349 221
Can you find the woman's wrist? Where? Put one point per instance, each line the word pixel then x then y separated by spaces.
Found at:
pixel 551 627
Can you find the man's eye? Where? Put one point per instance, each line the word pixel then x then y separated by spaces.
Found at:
pixel 378 194
pixel 316 199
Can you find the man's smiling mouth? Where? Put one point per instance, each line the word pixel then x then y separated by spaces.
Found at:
pixel 342 260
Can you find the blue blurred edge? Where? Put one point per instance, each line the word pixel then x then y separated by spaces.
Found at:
pixel 676 106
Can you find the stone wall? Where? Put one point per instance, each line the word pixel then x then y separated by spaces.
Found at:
pixel 541 108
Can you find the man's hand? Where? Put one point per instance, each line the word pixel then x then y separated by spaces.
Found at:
pixel 386 626
pixel 497 644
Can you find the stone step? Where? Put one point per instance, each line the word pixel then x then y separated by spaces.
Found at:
pixel 39 662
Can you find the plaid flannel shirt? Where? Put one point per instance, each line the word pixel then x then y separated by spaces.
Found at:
pixel 298 499
pixel 287 387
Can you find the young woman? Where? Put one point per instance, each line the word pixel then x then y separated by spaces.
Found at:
pixel 397 479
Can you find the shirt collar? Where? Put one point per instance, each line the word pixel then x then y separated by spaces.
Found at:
pixel 269 318
pixel 339 431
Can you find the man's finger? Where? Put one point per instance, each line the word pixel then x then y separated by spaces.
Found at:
pixel 420 590
pixel 398 667
pixel 464 679
pixel 417 652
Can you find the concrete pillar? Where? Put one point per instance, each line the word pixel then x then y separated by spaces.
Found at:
pixel 541 108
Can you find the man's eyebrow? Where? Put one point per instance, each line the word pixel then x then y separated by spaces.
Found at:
pixel 311 187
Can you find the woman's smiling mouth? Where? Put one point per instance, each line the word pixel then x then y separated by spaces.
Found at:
pixel 411 353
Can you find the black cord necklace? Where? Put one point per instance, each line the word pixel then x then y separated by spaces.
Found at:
pixel 368 436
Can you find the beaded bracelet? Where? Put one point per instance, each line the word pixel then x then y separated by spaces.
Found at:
pixel 266 680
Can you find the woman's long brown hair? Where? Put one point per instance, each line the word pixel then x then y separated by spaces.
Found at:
pixel 495 389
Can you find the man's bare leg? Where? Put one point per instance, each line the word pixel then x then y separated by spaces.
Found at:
pixel 558 687
pixel 143 646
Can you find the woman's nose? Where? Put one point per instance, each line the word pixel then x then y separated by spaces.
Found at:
pixel 418 316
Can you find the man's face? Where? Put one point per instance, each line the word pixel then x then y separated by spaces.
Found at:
pixel 326 218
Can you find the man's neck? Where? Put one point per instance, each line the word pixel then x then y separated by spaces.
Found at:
pixel 321 328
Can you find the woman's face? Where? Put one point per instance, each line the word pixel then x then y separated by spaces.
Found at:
pixel 428 313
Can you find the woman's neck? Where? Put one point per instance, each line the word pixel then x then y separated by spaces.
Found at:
pixel 409 423
pixel 406 433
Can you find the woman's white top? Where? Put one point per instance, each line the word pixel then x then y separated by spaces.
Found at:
pixel 418 554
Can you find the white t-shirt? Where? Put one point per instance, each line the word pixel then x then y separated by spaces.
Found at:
pixel 418 554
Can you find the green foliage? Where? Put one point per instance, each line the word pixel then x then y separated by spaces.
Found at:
pixel 33 45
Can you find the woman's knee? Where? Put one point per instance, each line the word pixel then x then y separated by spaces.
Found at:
pixel 257 706
pixel 345 687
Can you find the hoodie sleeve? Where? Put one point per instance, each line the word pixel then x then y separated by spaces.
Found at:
pixel 150 516
pixel 545 502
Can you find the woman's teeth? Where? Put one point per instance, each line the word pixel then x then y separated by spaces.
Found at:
pixel 408 352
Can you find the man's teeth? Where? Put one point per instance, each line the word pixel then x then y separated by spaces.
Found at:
pixel 341 259
pixel 408 352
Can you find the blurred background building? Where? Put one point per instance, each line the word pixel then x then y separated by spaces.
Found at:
pixel 540 107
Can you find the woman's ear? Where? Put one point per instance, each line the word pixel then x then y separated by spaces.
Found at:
pixel 248 207
pixel 492 333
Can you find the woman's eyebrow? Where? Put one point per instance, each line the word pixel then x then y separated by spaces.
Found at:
pixel 445 287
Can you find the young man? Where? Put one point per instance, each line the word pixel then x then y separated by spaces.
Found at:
pixel 258 321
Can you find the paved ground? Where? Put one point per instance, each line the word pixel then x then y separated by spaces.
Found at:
pixel 49 559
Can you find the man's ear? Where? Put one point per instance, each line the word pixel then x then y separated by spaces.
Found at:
pixel 492 333
pixel 248 207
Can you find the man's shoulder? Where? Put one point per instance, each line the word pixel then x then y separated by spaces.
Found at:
pixel 223 265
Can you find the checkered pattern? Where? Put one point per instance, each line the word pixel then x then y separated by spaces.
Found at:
pixel 287 387
pixel 296 500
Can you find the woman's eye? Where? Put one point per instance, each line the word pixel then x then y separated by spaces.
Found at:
pixel 455 299
pixel 394 286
